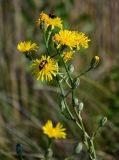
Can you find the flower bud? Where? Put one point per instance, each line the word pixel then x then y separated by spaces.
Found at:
pixel 81 104
pixel 31 55
pixel 103 121
pixel 94 62
pixel 78 148
pixel 19 149
pixel 62 105
pixel 49 153
pixel 76 83
pixel 76 101
pixel 71 68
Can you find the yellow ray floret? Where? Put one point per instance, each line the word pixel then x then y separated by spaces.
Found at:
pixel 54 132
pixel 52 21
pixel 71 39
pixel 27 46
pixel 44 68
pixel 67 55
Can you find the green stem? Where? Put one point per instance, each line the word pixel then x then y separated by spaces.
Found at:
pixel 46 41
pixel 20 157
pixel 63 95
pixel 80 123
pixel 95 132
pixel 49 153
pixel 92 150
pixel 54 55
pixel 48 38
pixel 81 74
pixel 85 135
pixel 66 68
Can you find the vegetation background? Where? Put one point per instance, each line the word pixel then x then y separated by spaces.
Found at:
pixel 26 104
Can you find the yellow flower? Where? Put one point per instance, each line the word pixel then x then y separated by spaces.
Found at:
pixel 50 20
pixel 71 39
pixel 54 132
pixel 64 38
pixel 81 40
pixel 44 68
pixel 27 46
pixel 67 55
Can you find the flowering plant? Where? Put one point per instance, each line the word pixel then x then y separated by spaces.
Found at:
pixel 47 68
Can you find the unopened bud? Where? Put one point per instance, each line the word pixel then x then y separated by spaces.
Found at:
pixel 103 121
pixel 62 105
pixel 78 148
pixel 81 104
pixel 31 55
pixel 49 153
pixel 19 149
pixel 94 62
pixel 76 83
pixel 71 68
pixel 76 101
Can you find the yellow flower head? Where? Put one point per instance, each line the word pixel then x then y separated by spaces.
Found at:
pixel 81 40
pixel 71 39
pixel 54 132
pixel 67 55
pixel 27 46
pixel 50 20
pixel 44 68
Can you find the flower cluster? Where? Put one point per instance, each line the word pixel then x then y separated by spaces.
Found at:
pixel 54 132
pixel 46 67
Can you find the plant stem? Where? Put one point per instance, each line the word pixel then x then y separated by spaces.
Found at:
pixel 80 123
pixel 20 157
pixel 48 38
pixel 63 95
pixel 92 150
pixel 46 41
pixel 81 74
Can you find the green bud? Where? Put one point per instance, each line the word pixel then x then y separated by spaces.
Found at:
pixel 78 148
pixel 71 68
pixel 19 149
pixel 76 101
pixel 81 104
pixel 62 105
pixel 94 62
pixel 31 55
pixel 76 83
pixel 103 121
pixel 50 153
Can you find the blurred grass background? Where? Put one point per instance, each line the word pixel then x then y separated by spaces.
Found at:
pixel 26 104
